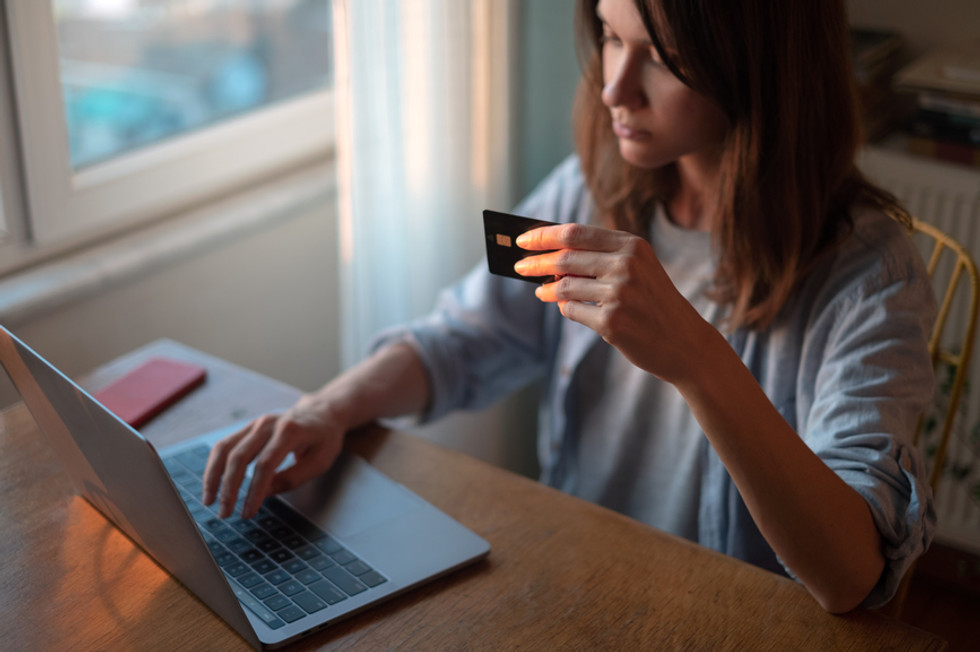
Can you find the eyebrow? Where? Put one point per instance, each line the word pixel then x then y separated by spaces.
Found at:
pixel 647 42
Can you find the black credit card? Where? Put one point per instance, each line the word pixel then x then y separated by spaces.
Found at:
pixel 500 232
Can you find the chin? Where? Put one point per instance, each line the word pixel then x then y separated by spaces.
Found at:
pixel 642 157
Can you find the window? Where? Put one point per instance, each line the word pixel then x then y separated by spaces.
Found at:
pixel 129 110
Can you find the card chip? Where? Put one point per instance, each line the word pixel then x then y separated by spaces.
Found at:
pixel 503 240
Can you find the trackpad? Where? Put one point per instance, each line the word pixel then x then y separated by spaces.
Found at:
pixel 352 497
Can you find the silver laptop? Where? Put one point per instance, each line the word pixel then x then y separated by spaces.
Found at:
pixel 334 547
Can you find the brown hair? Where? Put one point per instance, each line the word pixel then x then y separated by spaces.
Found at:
pixel 781 73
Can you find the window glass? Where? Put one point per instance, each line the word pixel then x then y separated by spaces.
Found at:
pixel 134 72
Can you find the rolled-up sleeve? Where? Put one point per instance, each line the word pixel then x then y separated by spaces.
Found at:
pixel 866 378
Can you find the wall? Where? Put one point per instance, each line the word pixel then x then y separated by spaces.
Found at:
pixel 925 25
pixel 548 74
pixel 265 301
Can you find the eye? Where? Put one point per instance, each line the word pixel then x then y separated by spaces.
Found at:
pixel 609 38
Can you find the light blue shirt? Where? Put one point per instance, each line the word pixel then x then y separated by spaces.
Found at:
pixel 845 364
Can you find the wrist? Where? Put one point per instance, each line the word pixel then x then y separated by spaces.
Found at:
pixel 711 363
pixel 330 406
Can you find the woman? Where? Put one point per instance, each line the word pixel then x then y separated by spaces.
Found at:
pixel 738 353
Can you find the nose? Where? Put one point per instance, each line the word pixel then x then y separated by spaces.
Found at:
pixel 624 84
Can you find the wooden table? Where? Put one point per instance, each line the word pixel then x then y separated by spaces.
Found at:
pixel 563 574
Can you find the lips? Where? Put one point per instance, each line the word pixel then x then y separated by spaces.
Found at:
pixel 628 132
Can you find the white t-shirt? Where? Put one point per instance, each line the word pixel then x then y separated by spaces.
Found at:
pixel 639 447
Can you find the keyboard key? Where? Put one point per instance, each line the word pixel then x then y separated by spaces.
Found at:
pixel 294 566
pixel 308 576
pixel 251 555
pixel 225 535
pixel 196 487
pixel 291 613
pixel 310 603
pixel 268 546
pixel 181 475
pixel 321 562
pixel 239 545
pixel 278 576
pixel 242 526
pixel 282 533
pixel 257 607
pixel 201 450
pixel 281 555
pixel 294 541
pixel 328 545
pixel 294 519
pixel 307 552
pixel 343 557
pixel 235 569
pixel 194 462
pixel 327 591
pixel 269 523
pixel 372 578
pixel 214 524
pixel 254 534
pixel 309 531
pixel 347 582
pixel 357 567
pixel 249 579
pixel 291 587
pixel 277 602
pixel 224 558
pixel 264 566
pixel 263 590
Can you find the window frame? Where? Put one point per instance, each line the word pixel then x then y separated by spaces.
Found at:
pixel 64 207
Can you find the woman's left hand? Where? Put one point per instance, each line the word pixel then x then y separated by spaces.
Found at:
pixel 612 282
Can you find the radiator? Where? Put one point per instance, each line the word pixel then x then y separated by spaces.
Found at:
pixel 947 196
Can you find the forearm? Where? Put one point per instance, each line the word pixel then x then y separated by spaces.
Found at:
pixel 392 382
pixel 817 524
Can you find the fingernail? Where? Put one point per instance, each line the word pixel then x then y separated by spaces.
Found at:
pixel 520 266
pixel 522 239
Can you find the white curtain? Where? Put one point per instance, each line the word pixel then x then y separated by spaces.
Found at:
pixel 423 146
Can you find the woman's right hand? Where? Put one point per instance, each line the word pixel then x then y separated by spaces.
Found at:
pixel 310 430
pixel 390 383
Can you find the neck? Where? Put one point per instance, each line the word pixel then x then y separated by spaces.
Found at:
pixel 695 203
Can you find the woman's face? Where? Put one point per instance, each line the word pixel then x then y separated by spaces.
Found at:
pixel 657 119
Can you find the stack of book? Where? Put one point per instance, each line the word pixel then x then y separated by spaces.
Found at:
pixel 876 55
pixel 946 120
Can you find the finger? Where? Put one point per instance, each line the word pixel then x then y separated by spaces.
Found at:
pixel 216 464
pixel 571 236
pixel 238 460
pixel 586 314
pixel 560 263
pixel 572 288
pixel 283 440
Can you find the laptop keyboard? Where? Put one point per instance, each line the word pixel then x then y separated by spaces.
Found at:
pixel 279 564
